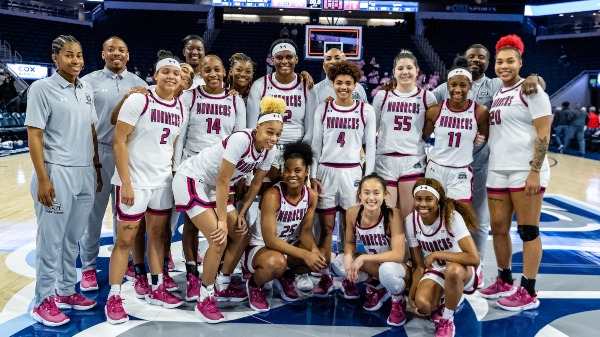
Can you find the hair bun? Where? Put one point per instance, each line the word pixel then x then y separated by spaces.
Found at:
pixel 511 41
pixel 272 104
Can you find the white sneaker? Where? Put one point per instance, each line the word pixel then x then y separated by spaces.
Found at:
pixel 304 283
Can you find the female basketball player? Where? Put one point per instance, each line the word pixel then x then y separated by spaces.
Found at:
pixel 518 176
pixel 342 127
pixel 63 147
pixel 457 122
pixel 202 184
pixel 380 229
pixel 147 125
pixel 400 115
pixel 443 254
pixel 241 74
pixel 282 234
pixel 212 116
pixel 193 51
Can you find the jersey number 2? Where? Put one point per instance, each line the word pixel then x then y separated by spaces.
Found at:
pixel 165 135
pixel 287 115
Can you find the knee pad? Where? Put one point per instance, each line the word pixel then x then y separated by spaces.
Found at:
pixel 391 275
pixel 528 232
pixel 337 265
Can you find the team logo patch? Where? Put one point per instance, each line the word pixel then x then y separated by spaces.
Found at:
pixel 56 208
pixel 462 176
pixel 88 99
pixel 418 166
pixel 356 183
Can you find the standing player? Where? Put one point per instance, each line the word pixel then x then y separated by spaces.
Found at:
pixel 193 51
pixel 400 115
pixel 212 116
pixel 457 122
pixel 324 88
pixel 241 74
pixel 342 127
pixel 202 184
pixel 380 229
pixel 63 147
pixel 282 234
pixel 443 254
pixel 518 175
pixel 482 93
pixel 147 124
pixel 109 85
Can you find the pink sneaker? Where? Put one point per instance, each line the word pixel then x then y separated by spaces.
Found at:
pixel 246 274
pixel 286 288
pixel 114 311
pixel 437 315
pixel 208 311
pixel 199 259
pixel 171 264
pixel 349 290
pixel 520 300
pixel 233 293
pixel 130 272
pixel 88 280
pixel 498 289
pixel 324 287
pixel 49 314
pixel 192 292
pixel 141 286
pixel 169 282
pixel 445 328
pixel 256 298
pixel 480 280
pixel 375 298
pixel 75 301
pixel 162 297
pixel 397 315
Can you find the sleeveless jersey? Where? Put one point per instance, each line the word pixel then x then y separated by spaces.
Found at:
pixel 238 149
pixel 512 133
pixel 435 238
pixel 374 238
pixel 211 118
pixel 288 217
pixel 401 122
pixel 455 132
pixel 150 147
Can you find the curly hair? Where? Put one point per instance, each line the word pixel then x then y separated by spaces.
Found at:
pixel 300 150
pixel 344 68
pixel 270 104
pixel 447 206
pixel 513 42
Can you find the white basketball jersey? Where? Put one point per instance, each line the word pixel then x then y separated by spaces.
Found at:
pixel 295 100
pixel 211 118
pixel 343 132
pixel 238 148
pixel 435 238
pixel 150 147
pixel 401 123
pixel 512 133
pixel 288 217
pixel 455 132
pixel 374 238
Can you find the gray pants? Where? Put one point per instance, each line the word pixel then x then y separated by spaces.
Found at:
pixel 576 132
pixel 90 241
pixel 480 202
pixel 560 134
pixel 60 228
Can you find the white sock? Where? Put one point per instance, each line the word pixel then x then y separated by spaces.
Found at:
pixel 115 289
pixel 448 315
pixel 325 271
pixel 208 291
pixel 397 298
pixel 222 281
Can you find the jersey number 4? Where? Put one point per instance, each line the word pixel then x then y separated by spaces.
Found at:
pixel 213 124
pixel 342 139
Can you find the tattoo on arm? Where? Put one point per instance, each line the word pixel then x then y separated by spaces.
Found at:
pixel 541 147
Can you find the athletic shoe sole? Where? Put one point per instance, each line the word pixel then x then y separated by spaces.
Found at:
pixel 279 287
pixel 74 307
pixel 498 295
pixel 122 320
pixel 397 324
pixel 161 303
pixel 381 301
pixel 532 305
pixel 38 318
pixel 325 295
pixel 206 320
pixel 88 289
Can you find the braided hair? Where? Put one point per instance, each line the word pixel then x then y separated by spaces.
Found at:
pixel 59 43
pixel 239 57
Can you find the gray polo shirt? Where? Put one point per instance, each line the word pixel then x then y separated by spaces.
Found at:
pixel 66 113
pixel 324 89
pixel 108 89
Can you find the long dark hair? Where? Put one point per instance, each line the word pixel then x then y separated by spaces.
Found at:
pixel 385 210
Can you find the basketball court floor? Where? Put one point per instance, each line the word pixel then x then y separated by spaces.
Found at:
pixel 569 280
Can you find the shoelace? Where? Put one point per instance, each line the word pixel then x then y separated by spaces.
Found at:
pixel 116 304
pixel 395 308
pixel 519 294
pixel 51 307
pixel 88 276
pixel 324 282
pixel 443 327
pixel 258 294
pixel 210 304
pixel 375 297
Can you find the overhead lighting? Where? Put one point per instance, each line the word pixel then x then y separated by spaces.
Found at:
pixel 280 9
pixel 561 15
pixel 349 11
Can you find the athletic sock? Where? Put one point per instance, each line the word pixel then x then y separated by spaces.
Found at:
pixel 397 298
pixel 253 283
pixel 528 284
pixel 448 315
pixel 505 275
pixel 166 263
pixel 157 280
pixel 115 289
pixel 326 271
pixel 191 267
pixel 140 269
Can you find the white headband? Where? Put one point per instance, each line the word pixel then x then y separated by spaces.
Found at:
pixel 281 47
pixel 460 71
pixel 270 117
pixel 167 62
pixel 428 189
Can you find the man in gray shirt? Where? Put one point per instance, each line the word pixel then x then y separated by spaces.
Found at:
pixel 577 121
pixel 561 125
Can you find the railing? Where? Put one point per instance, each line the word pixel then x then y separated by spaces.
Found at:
pixel 572 81
pixel 429 53
pixel 43 9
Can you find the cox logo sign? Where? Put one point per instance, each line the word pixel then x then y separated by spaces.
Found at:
pixel 28 71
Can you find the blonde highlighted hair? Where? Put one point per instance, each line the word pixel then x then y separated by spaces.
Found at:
pixel 270 104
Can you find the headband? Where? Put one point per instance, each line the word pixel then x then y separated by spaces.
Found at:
pixel 282 47
pixel 460 71
pixel 167 62
pixel 428 189
pixel 270 117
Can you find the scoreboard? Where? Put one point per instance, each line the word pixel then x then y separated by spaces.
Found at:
pixel 326 5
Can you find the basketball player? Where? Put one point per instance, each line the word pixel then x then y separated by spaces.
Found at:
pixel 202 184
pixel 286 84
pixel 211 116
pixel 442 252
pixel 380 229
pixel 518 176
pixel 282 234
pixel 147 124
pixel 110 85
pixel 342 127
pixel 241 74
pixel 324 88
pixel 63 148
pixel 193 51
pixel 457 122
pixel 400 115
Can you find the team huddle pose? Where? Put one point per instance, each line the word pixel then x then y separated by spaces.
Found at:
pixel 188 144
